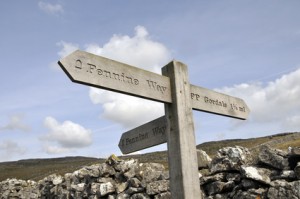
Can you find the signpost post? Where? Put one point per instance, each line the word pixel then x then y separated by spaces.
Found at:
pixel 176 127
pixel 182 155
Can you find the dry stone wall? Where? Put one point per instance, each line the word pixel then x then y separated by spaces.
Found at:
pixel 233 173
pixel 114 179
pixel 236 173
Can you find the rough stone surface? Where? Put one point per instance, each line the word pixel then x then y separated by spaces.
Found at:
pixel 294 151
pixel 157 187
pixel 145 172
pixel 273 158
pixel 230 159
pixel 258 174
pixel 297 170
pixel 284 190
pixel 140 196
pixel 114 179
pixel 203 159
pixel 165 195
pixel 232 175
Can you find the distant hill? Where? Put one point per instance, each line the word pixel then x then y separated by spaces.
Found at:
pixel 37 169
pixel 279 141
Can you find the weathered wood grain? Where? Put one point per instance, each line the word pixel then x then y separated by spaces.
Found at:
pixel 218 103
pixel 93 70
pixel 144 136
pixel 183 168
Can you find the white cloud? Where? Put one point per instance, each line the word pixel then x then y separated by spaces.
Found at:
pixel 16 123
pixel 51 8
pixel 67 48
pixel 292 123
pixel 277 101
pixel 66 136
pixel 140 51
pixel 126 110
pixel 10 148
pixel 56 149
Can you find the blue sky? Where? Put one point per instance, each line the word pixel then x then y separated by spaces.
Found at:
pixel 247 49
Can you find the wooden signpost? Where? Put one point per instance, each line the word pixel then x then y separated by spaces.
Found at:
pixel 92 70
pixel 145 136
pixel 176 127
pixel 100 72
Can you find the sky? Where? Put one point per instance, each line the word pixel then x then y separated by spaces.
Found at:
pixel 246 49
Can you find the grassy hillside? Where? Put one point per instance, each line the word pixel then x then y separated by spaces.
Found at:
pixel 36 169
pixel 280 141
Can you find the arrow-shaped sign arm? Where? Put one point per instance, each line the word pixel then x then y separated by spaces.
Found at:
pixel 218 103
pixel 100 72
pixel 147 135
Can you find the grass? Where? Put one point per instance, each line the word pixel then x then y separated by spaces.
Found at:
pixel 252 143
pixel 37 169
pixel 285 145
